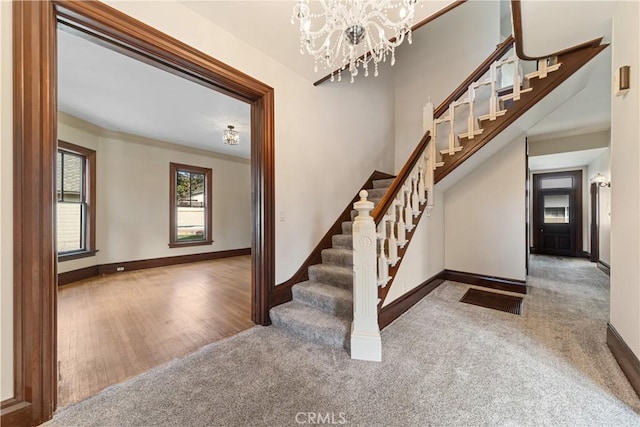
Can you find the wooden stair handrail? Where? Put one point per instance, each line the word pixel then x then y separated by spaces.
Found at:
pixel 501 49
pixel 385 203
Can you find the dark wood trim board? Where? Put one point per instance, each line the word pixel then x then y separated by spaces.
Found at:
pixel 15 413
pixel 500 283
pixel 96 270
pixel 395 309
pixel 628 361
pixel 34 148
pixel 76 275
pixel 595 222
pixel 172 260
pixel 606 268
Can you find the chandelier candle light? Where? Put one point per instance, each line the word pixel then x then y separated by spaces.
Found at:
pixel 354 32
pixel 230 136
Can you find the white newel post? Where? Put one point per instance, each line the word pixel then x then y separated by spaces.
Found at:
pixel 365 333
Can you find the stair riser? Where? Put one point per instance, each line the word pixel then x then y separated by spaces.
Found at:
pixel 335 306
pixel 332 338
pixel 342 241
pixel 341 280
pixel 341 259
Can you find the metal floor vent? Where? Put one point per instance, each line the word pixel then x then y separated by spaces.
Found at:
pixel 507 303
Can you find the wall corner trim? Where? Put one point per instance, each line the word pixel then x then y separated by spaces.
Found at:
pixel 628 361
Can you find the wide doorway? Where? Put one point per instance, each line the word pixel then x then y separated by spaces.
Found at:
pixel 35 303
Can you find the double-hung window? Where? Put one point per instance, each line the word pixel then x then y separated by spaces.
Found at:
pixel 190 214
pixel 75 193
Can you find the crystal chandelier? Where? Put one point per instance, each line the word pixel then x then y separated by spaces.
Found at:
pixel 353 33
pixel 230 136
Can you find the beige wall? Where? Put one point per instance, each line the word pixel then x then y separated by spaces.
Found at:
pixel 6 196
pixel 484 217
pixel 133 220
pixel 625 180
pixel 132 211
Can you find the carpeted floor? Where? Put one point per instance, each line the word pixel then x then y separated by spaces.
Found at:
pixel 445 363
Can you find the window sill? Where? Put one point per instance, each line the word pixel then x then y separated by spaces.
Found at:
pixel 187 244
pixel 76 255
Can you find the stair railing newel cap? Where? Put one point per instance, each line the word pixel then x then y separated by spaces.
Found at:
pixel 363 206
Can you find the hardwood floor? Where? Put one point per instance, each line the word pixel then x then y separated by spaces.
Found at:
pixel 117 326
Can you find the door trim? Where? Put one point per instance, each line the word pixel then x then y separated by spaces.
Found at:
pixel 595 224
pixel 34 127
pixel 577 175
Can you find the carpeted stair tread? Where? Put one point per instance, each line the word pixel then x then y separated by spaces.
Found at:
pixel 337 256
pixel 332 275
pixel 344 241
pixel 330 299
pixel 310 324
pixel 382 183
pixel 347 227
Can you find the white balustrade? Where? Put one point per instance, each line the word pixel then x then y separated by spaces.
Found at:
pixel 376 249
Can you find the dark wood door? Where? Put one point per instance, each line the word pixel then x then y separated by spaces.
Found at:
pixel 558 213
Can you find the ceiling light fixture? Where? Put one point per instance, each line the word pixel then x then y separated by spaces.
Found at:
pixel 352 33
pixel 230 136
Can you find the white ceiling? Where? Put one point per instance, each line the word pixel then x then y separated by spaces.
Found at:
pixel 267 26
pixel 574 159
pixel 118 93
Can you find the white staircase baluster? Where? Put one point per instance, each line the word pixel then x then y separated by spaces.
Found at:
pixel 402 229
pixel 392 241
pixel 471 120
pixel 452 132
pixel 422 182
pixel 415 200
pixel 366 343
pixel 383 262
pixel 517 83
pixel 493 101
pixel 542 68
pixel 408 212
